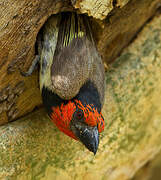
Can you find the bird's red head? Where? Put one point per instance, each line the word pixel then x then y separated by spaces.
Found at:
pixel 81 122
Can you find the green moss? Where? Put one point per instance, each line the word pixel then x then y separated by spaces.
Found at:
pixel 33 147
pixel 112 139
pixel 151 43
pixel 122 59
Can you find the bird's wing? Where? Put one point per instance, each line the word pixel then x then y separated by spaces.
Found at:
pixel 47 41
pixel 68 56
pixel 72 62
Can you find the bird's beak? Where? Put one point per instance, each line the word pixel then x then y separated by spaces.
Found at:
pixel 89 136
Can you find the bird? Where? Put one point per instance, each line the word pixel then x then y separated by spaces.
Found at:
pixel 72 77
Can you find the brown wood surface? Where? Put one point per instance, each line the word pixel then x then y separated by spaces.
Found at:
pixel 20 21
pixel 33 148
pixel 122 25
pixel 98 9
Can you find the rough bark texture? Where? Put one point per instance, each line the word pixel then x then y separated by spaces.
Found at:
pixel 32 148
pixel 122 25
pixel 20 23
pixel 97 8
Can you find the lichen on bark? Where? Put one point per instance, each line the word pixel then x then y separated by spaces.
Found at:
pixel 21 22
pixel 32 148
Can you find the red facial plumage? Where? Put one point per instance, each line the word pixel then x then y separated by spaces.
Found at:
pixel 62 115
pixel 92 117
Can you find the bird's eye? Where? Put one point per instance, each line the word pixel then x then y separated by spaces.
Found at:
pixel 79 114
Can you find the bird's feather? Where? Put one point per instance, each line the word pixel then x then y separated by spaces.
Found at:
pixel 70 52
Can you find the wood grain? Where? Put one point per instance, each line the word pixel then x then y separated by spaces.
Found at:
pixel 98 9
pixel 32 148
pixel 19 26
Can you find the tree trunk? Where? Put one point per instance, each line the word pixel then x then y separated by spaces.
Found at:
pixel 33 148
pixel 21 22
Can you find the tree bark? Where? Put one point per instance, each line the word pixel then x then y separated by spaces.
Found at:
pixel 98 9
pixel 33 148
pixel 20 24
